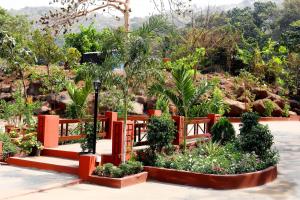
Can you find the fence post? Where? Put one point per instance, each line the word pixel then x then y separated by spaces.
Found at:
pixel 111 117
pixel 118 141
pixel 179 120
pixel 214 118
pixel 48 130
pixel 157 113
pixel 1 151
pixel 87 165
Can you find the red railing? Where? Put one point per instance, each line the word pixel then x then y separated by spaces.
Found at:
pixel 140 128
pixel 73 129
pixel 197 127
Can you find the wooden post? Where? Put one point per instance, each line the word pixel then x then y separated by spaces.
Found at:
pixel 48 130
pixel 179 120
pixel 87 165
pixel 112 117
pixel 157 113
pixel 214 118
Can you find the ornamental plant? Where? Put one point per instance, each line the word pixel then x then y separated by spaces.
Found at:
pixel 223 131
pixel 161 133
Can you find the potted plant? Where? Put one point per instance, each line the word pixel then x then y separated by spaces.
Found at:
pixel 30 145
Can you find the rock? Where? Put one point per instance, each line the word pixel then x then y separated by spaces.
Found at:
pixel 59 101
pixel 45 108
pixel 297 110
pixel 141 99
pixel 34 88
pixel 259 107
pixel 240 91
pixel 291 113
pixel 260 93
pixel 236 108
pixel 6 88
pixel 277 112
pixel 294 104
pixel 137 108
pixel 244 99
pixel 150 105
pixel 280 103
pixel 6 96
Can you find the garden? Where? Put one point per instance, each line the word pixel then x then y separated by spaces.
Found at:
pixel 238 65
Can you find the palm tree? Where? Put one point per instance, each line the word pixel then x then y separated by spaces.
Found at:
pixel 184 94
pixel 79 99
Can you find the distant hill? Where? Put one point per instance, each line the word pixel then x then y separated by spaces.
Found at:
pixel 34 13
pixel 100 22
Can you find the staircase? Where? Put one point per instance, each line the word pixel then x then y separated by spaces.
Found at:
pixel 51 159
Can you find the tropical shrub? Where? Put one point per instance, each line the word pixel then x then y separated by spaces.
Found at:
pixel 8 146
pixel 248 120
pixel 125 169
pixel 269 107
pixel 161 133
pixel 259 140
pixel 217 104
pixel 223 131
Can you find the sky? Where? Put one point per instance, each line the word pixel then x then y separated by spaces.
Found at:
pixel 140 8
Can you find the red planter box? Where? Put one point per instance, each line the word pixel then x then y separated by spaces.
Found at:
pixel 213 181
pixel 119 182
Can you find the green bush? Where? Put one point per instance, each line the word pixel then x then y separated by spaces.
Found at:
pixel 223 131
pixel 248 120
pixel 259 140
pixel 116 172
pixel 107 168
pixel 286 110
pixel 8 146
pixel 269 108
pixel 146 156
pixel 125 169
pixel 161 133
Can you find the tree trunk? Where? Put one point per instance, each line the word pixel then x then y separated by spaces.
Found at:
pixel 126 15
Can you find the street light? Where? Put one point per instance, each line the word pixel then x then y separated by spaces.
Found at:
pixel 97 85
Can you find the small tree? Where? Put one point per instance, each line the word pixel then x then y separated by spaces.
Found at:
pixel 184 94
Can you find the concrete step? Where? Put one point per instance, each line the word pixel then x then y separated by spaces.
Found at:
pixel 46 163
pixel 60 153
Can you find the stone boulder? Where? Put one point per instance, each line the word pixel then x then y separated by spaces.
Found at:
pixel 277 112
pixel 294 104
pixel 137 108
pixel 259 107
pixel 239 92
pixel 6 88
pixel 291 113
pixel 260 93
pixel 45 108
pixel 6 96
pixel 34 88
pixel 236 108
pixel 141 99
pixel 59 101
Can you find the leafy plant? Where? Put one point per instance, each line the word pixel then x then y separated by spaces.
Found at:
pixel 161 133
pixel 286 110
pixel 217 104
pixel 29 142
pixel 124 169
pixel 223 131
pixel 8 146
pixel 248 120
pixel 79 99
pixel 269 107
pixel 259 140
pixel 184 94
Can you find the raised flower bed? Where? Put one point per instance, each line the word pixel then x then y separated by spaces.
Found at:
pixel 124 175
pixel 212 180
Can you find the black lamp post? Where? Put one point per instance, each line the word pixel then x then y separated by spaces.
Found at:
pixel 97 85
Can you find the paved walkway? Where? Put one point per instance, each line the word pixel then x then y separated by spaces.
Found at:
pixel 286 187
